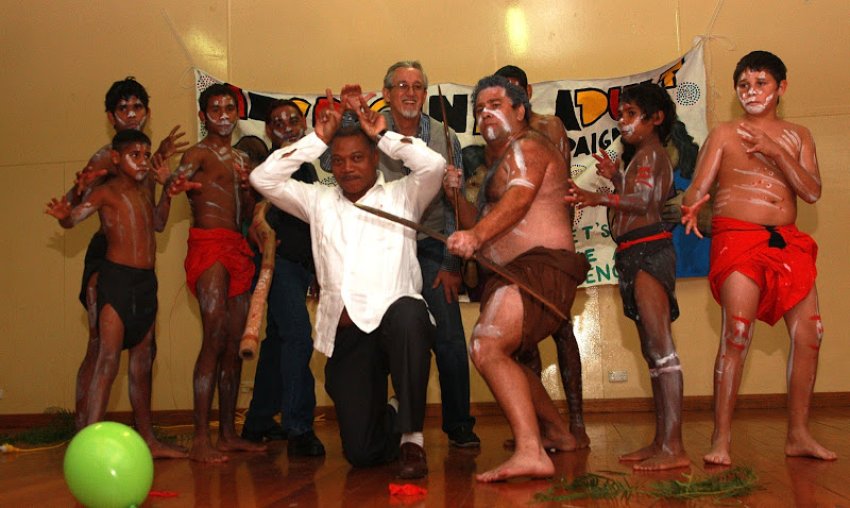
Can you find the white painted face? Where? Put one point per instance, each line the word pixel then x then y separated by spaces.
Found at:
pixel 135 160
pixel 286 126
pixel 129 114
pixel 495 113
pixel 221 115
pixel 757 91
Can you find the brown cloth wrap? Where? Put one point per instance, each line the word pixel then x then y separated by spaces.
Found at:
pixel 555 274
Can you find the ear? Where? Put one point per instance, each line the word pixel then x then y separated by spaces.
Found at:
pixel 202 117
pixel 528 91
pixel 658 118
pixel 111 117
pixel 385 93
pixel 269 131
pixel 115 156
pixel 520 111
pixel 783 85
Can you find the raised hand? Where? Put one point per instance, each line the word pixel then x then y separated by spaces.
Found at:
pixel 690 216
pixel 350 96
pixel 59 208
pixel 170 146
pixel 181 184
pixel 371 121
pixel 327 122
pixel 605 166
pixel 161 170
pixel 87 177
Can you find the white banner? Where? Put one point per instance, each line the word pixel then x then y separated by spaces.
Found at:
pixel 588 109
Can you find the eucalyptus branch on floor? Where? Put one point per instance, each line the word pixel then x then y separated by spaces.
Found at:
pixel 735 482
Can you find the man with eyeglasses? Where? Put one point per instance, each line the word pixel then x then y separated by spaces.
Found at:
pixel 404 90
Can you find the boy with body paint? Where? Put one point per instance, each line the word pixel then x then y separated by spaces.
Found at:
pixel 645 259
pixel 126 108
pixel 762 266
pixel 219 268
pixel 126 287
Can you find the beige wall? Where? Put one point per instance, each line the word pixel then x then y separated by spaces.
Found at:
pixel 59 56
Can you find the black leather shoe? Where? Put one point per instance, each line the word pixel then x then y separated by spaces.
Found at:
pixel 305 445
pixel 463 437
pixel 413 463
pixel 274 433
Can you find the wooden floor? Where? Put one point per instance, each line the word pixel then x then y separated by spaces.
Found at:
pixel 271 479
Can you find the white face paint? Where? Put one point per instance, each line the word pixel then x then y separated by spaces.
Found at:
pixel 756 91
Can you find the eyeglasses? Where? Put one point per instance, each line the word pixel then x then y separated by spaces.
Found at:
pixel 404 86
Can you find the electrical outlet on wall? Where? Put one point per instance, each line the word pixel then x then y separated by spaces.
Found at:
pixel 618 376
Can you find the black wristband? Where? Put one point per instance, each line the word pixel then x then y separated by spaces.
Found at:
pixel 380 135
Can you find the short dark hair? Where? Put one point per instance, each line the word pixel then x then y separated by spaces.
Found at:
pixel 348 130
pixel 254 147
pixel 124 89
pixel 760 61
pixel 127 137
pixel 516 94
pixel 213 91
pixel 652 98
pixel 279 104
pixel 512 71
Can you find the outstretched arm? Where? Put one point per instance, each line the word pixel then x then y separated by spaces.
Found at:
pixel 69 217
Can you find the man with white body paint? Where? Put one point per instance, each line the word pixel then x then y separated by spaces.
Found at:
pixel 525 227
pixel 762 266
pixel 219 269
pixel 371 320
pixel 405 89
pixel 569 359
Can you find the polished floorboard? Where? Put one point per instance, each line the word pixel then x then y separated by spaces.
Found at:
pixel 35 479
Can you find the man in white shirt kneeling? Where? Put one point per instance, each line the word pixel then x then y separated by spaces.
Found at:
pixel 371 319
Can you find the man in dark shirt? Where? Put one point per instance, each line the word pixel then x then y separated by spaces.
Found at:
pixel 283 382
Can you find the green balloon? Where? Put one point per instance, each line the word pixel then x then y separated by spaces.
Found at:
pixel 108 465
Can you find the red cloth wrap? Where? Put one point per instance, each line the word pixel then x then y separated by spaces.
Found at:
pixel 784 275
pixel 209 246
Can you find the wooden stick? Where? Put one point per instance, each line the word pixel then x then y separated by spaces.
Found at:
pixel 449 152
pixel 251 337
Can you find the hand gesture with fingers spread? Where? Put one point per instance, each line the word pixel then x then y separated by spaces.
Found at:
pixel 327 122
pixel 690 216
pixel 170 146
pixel 605 166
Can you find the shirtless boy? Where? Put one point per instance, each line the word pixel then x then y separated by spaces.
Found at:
pixel 569 359
pixel 521 228
pixel 126 288
pixel 645 259
pixel 219 268
pixel 762 266
pixel 126 108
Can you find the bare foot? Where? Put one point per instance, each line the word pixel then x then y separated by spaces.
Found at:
pixel 804 445
pixel 581 437
pixel 719 454
pixel 237 444
pixel 160 450
pixel 664 460
pixel 535 464
pixel 203 451
pixel 642 454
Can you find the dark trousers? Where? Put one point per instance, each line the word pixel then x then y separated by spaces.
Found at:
pixel 356 380
pixel 283 382
pixel 450 342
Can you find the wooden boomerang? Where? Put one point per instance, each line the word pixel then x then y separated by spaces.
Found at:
pixel 486 263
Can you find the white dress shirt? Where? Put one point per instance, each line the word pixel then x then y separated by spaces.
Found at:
pixel 363 263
